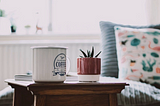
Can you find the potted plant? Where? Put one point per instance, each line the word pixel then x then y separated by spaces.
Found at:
pixel 88 66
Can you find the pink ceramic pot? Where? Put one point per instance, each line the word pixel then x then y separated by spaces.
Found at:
pixel 88 69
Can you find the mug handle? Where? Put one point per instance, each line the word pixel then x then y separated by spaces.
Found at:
pixel 67 66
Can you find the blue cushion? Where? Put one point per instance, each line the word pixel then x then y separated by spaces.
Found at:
pixel 109 64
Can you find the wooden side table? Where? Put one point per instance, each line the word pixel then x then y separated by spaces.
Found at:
pixel 69 93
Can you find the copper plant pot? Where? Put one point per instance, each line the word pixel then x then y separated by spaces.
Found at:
pixel 88 69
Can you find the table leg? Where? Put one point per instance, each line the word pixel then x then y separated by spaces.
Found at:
pixel 113 100
pixel 39 100
pixel 22 97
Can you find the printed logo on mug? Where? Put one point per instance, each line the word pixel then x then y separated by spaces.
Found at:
pixel 49 64
pixel 59 65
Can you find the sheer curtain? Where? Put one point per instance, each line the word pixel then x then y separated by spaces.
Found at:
pixel 79 16
pixel 83 16
pixel 22 13
pixel 153 11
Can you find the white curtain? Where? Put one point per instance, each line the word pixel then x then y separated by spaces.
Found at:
pixel 153 11
pixel 83 16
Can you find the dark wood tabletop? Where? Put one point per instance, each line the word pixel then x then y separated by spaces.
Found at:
pixel 69 81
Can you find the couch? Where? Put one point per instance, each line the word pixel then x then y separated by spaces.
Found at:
pixel 6 96
pixel 140 92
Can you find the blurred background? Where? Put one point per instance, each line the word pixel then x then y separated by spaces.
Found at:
pixel 70 23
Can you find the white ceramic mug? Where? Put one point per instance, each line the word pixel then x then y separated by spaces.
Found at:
pixel 49 64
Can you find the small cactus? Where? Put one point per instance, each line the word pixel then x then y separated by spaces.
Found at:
pixel 89 53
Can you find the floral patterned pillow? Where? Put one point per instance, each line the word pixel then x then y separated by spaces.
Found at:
pixel 138 52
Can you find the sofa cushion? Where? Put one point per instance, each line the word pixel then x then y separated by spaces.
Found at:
pixel 138 53
pixel 109 64
pixel 136 94
pixel 6 96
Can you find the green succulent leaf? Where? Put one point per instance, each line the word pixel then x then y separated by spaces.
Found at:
pixel 81 56
pixel 88 52
pixel 83 53
pixel 98 54
pixel 92 53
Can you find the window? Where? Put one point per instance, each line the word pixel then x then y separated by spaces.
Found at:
pixel 25 14
pixel 72 16
pixel 83 16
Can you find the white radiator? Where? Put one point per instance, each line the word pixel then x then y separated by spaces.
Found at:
pixel 15 58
